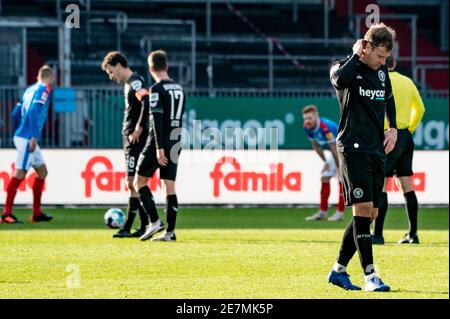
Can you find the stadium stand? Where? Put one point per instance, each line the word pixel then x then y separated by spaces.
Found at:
pixel 238 48
pixel 239 55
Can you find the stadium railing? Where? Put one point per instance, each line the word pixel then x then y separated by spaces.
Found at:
pixel 96 120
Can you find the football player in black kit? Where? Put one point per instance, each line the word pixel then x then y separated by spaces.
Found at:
pixel 163 147
pixel 365 97
pixel 134 131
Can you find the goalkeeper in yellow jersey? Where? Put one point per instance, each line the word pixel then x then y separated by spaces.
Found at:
pixel 410 110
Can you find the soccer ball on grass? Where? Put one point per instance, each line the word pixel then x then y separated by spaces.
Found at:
pixel 115 218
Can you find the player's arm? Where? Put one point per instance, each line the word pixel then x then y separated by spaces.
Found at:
pixel 157 121
pixel 417 110
pixel 342 75
pixel 41 98
pixel 159 138
pixel 333 149
pixel 142 96
pixel 156 117
pixel 17 115
pixel 33 115
pixel 390 136
pixel 331 140
pixel 319 150
pixel 145 103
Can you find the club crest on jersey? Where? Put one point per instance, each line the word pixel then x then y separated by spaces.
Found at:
pixel 136 85
pixel 358 193
pixel 329 136
pixel 381 76
pixel 154 98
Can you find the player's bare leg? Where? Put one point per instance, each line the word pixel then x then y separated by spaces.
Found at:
pixel 147 201
pixel 171 212
pixel 13 185
pixel 38 186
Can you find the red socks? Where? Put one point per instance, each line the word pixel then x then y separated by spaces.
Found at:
pixel 37 195
pixel 341 203
pixel 324 195
pixel 13 185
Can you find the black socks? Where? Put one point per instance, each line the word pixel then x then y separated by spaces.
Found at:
pixel 143 216
pixel 348 247
pixel 133 207
pixel 412 207
pixel 363 241
pixel 382 210
pixel 148 203
pixel 149 206
pixel 171 212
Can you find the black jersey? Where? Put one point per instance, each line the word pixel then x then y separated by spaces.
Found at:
pixel 136 104
pixel 167 103
pixel 365 96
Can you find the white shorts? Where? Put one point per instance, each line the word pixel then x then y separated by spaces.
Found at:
pixel 25 159
pixel 331 171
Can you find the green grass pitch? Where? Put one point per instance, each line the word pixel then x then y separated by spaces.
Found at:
pixel 220 253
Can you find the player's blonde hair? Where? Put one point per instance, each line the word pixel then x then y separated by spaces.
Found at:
pixel 310 109
pixel 45 72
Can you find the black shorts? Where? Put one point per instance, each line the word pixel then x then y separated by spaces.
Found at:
pixel 399 161
pixel 132 152
pixel 362 177
pixel 148 161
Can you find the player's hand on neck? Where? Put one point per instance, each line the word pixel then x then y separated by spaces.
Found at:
pixel 358 47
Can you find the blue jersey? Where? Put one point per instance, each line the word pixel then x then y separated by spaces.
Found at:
pixel 31 113
pixel 324 133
